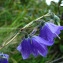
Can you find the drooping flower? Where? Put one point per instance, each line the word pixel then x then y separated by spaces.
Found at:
pixel 34 45
pixel 49 31
pixel 4 58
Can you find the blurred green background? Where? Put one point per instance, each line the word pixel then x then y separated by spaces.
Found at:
pixel 14 14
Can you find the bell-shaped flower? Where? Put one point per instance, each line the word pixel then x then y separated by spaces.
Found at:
pixel 49 31
pixel 4 58
pixel 34 45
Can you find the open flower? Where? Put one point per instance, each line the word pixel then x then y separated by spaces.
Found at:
pixel 49 31
pixel 4 58
pixel 34 45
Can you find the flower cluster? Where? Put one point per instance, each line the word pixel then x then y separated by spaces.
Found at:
pixel 37 45
pixel 4 58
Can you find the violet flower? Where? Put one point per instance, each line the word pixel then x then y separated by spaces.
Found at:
pixel 34 45
pixel 50 31
pixel 4 58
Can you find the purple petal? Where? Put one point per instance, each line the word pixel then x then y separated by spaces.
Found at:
pixel 6 56
pixel 44 51
pixel 42 41
pixel 59 29
pixel 46 34
pixel 41 48
pixel 3 60
pixel 19 48
pixel 24 48
pixel 54 28
pixel 34 49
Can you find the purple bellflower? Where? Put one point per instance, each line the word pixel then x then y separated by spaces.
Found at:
pixel 4 58
pixel 50 31
pixel 34 45
pixel 37 45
